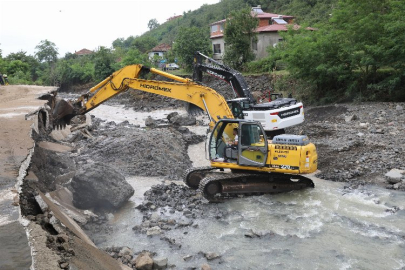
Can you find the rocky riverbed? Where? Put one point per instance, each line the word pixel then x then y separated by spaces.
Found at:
pixel 354 147
pixel 357 144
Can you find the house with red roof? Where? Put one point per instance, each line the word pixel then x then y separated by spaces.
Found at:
pixel 84 52
pixel 270 25
pixel 159 50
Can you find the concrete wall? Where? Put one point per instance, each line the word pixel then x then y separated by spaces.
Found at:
pixel 151 54
pixel 265 40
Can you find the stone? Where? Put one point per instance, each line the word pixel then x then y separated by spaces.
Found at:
pixel 394 176
pixel 160 263
pixel 251 234
pixel 187 258
pixel 351 118
pixel 205 266
pixel 153 231
pixel 399 108
pixel 171 115
pixel 62 238
pixel 64 265
pixel 143 262
pixel 125 251
pixel 155 216
pixel 211 256
pixel 364 125
pixel 100 186
pixel 150 122
pixel 183 120
pixel 396 186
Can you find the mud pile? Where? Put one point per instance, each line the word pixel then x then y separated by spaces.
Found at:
pixel 160 151
pixel 357 143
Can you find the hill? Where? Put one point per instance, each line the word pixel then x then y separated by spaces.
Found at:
pixel 309 12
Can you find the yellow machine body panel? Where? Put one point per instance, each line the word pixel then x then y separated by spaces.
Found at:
pixel 291 159
pixel 254 155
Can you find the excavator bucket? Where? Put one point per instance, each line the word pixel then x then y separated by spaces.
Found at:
pixel 62 113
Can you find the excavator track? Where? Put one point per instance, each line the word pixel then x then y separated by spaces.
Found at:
pixel 193 176
pixel 216 187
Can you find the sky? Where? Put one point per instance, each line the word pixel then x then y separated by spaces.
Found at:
pixel 74 25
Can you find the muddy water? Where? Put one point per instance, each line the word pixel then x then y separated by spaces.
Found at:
pixel 118 114
pixel 328 227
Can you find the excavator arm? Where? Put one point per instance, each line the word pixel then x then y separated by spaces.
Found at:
pixel 223 72
pixel 128 77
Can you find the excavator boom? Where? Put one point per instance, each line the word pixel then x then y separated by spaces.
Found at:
pixel 128 77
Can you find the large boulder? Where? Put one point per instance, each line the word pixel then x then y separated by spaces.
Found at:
pixel 143 261
pixel 101 187
pixel 182 120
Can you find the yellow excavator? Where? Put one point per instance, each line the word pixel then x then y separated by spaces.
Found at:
pixel 243 161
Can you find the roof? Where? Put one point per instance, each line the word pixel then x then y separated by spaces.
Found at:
pixel 217 36
pixel 276 28
pixel 221 21
pixel 266 15
pixel 83 52
pixel 174 17
pixel 263 15
pixel 161 48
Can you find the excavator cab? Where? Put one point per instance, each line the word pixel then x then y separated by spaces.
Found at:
pixel 237 106
pixel 251 148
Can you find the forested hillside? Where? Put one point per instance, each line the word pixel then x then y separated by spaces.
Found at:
pixel 353 52
pixel 309 12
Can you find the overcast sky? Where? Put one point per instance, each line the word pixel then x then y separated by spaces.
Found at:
pixel 74 25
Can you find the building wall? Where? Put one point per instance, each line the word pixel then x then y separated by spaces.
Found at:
pixel 265 40
pixel 151 54
pixel 221 42
pixel 263 22
pixel 217 29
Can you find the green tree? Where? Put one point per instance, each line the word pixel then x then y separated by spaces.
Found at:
pixel 17 65
pixel 188 41
pixel 47 51
pixel 103 63
pixel 357 55
pixel 239 35
pixel 133 56
pixel 118 43
pixel 144 43
pixel 152 24
pixel 33 64
pixel 74 71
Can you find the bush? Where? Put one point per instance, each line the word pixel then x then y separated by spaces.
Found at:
pixel 20 77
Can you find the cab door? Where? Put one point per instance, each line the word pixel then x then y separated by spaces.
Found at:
pixel 253 145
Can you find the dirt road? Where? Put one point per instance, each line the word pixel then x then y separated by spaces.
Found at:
pixel 15 145
pixel 15 103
